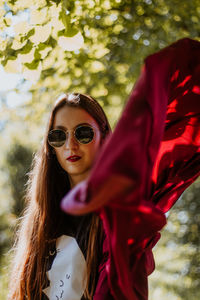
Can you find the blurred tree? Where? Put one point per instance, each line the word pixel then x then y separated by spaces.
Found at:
pixel 88 46
pixel 17 165
pixel 177 274
pixel 18 162
pixel 5 234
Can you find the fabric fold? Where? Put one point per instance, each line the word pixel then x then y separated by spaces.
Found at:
pixel 152 156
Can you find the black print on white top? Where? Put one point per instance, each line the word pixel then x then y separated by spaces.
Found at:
pixel 68 271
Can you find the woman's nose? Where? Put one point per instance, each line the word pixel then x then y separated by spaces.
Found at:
pixel 71 142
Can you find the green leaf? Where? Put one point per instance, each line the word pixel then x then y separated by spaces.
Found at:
pixel 7 21
pixel 27 48
pixel 9 57
pixel 28 35
pixel 55 1
pixel 12 57
pixel 65 18
pixel 33 65
pixel 71 31
pixel 42 46
pixel 13 2
pixel 51 42
pixel 61 32
pixel 48 72
pixel 37 55
pixel 65 4
pixel 68 5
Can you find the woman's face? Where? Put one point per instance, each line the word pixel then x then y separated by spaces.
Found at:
pixel 68 118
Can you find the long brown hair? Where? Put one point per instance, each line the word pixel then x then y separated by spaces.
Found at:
pixel 47 185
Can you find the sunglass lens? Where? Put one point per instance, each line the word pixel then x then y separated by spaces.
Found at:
pixel 56 138
pixel 84 134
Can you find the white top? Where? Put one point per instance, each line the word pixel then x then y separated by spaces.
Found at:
pixel 68 271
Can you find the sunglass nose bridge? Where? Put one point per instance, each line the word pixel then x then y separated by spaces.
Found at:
pixel 70 139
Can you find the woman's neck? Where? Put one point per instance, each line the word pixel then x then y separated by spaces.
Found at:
pixel 75 179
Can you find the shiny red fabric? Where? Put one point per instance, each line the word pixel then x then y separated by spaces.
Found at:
pixel 145 165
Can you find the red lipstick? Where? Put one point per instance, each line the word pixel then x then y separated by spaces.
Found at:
pixel 73 158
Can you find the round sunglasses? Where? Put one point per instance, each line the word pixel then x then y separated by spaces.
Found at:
pixel 84 134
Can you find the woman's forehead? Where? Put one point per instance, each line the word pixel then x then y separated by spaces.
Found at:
pixel 69 117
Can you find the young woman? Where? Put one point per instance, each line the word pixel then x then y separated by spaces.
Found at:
pixel 58 255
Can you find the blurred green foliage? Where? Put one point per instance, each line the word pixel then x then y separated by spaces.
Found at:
pixel 18 162
pixel 96 47
pixel 177 255
pixel 90 46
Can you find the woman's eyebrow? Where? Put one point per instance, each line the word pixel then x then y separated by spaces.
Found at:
pixel 60 127
pixel 64 128
pixel 83 124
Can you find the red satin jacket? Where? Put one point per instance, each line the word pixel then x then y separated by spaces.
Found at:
pixel 152 156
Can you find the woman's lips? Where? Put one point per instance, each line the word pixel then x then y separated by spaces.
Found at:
pixel 73 158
